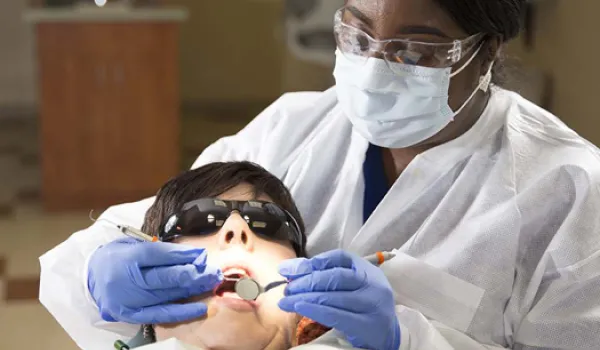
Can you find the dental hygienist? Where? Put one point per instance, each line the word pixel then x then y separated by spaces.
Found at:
pixel 492 202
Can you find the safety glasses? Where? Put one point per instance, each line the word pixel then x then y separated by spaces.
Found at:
pixel 358 46
pixel 206 216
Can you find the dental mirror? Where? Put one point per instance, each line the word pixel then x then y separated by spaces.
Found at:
pixel 249 289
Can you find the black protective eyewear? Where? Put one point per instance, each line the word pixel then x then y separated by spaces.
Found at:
pixel 207 215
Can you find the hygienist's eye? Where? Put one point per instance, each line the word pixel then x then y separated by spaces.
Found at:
pixel 362 42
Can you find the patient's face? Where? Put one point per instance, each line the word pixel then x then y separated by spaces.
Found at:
pixel 232 323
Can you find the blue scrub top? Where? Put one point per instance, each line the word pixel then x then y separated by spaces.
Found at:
pixel 376 184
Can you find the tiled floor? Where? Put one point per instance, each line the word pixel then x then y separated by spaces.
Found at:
pixel 26 232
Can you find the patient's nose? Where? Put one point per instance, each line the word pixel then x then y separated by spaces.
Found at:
pixel 236 232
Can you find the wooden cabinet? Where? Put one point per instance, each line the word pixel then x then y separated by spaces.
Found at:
pixel 109 111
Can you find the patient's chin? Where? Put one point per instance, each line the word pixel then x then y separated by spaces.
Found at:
pixel 224 328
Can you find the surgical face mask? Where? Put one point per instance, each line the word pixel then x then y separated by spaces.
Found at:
pixel 399 107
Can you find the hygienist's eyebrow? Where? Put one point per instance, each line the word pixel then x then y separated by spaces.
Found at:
pixel 359 15
pixel 409 29
pixel 420 29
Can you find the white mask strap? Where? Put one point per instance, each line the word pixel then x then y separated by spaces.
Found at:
pixel 484 85
pixel 467 63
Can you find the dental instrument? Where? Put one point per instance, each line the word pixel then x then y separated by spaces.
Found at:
pixel 120 345
pixel 249 289
pixel 129 230
pixel 379 258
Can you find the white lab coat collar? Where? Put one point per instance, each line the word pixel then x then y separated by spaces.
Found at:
pixel 493 118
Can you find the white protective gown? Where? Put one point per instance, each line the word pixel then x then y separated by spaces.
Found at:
pixel 498 231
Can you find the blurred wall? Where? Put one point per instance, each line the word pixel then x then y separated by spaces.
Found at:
pixel 300 75
pixel 230 50
pixel 566 46
pixel 235 51
pixel 17 69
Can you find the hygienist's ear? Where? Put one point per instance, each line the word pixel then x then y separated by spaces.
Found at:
pixel 489 53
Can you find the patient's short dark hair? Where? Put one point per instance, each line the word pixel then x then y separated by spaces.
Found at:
pixel 212 180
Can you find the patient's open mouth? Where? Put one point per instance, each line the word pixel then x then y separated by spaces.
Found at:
pixel 227 286
pixel 232 275
pixel 226 291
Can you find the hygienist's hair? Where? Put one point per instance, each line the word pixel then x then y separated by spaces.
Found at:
pixel 212 180
pixel 496 18
pixel 500 18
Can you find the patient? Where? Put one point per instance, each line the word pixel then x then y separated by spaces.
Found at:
pixel 250 241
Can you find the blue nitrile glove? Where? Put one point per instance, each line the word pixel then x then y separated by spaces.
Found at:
pixel 136 282
pixel 345 292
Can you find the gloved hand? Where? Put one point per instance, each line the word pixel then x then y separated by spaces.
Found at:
pixel 345 292
pixel 136 282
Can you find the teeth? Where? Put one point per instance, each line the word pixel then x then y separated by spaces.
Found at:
pixel 235 271
pixel 231 295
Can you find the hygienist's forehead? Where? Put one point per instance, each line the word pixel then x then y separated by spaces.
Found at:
pixel 392 18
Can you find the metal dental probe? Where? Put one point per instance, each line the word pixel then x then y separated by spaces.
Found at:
pixel 128 230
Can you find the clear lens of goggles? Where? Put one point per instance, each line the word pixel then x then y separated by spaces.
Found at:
pixel 357 46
